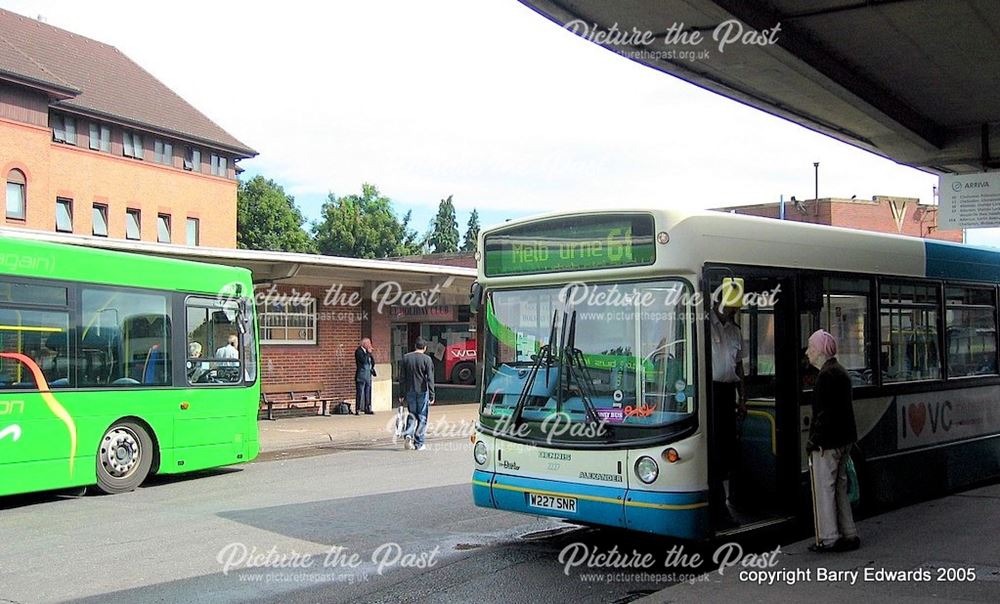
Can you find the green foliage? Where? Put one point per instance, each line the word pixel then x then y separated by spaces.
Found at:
pixel 363 226
pixel 444 229
pixel 471 233
pixel 268 219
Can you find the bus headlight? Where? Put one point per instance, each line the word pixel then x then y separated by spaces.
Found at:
pixel 479 452
pixel 646 469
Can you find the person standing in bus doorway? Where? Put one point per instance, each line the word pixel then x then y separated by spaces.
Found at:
pixel 832 432
pixel 364 370
pixel 417 382
pixel 728 392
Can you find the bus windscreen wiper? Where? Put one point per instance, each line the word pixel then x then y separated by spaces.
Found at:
pixel 546 356
pixel 574 356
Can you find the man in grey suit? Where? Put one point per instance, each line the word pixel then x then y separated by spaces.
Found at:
pixel 364 364
pixel 417 383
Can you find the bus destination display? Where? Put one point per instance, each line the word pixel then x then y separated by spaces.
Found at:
pixel 571 244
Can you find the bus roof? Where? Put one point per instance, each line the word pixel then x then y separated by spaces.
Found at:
pixel 31 258
pixel 700 237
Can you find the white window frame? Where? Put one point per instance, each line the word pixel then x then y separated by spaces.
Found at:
pixel 163 152
pixel 132 145
pixel 220 165
pixel 100 137
pixel 64 129
pixel 267 317
pixel 138 223
pixel 197 231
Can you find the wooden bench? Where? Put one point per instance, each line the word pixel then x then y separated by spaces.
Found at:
pixel 294 398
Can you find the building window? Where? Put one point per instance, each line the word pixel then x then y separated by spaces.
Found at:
pixel 288 323
pixel 63 128
pixel 972 331
pixel 164 152
pixel 163 228
pixel 133 224
pixel 131 144
pixel 193 231
pixel 219 165
pixel 100 137
pixel 64 215
pixel 193 159
pixel 100 220
pixel 16 186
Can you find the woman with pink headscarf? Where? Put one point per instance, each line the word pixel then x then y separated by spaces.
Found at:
pixel 831 434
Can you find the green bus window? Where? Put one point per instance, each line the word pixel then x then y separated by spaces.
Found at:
pixel 124 339
pixel 43 337
pixel 215 352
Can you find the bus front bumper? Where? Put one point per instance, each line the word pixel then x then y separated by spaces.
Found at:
pixel 684 515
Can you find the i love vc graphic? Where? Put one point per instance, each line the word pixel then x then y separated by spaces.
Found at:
pixel 934 417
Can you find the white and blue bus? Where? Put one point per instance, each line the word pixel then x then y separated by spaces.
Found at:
pixel 596 398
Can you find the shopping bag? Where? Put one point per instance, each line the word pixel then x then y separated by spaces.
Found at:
pixel 853 488
pixel 400 424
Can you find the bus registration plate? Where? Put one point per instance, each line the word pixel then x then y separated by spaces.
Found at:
pixel 548 502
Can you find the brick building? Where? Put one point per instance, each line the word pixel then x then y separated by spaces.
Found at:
pixel 882 214
pixel 92 144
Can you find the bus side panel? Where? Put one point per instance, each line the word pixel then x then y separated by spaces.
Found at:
pixel 683 515
pixel 46 475
pixel 482 489
pixel 214 430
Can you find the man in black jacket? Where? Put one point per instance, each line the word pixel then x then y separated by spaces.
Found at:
pixel 831 434
pixel 417 383
pixel 364 369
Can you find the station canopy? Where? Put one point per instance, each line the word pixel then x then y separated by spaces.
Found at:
pixel 916 81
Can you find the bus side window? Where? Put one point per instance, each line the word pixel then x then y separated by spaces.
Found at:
pixel 124 339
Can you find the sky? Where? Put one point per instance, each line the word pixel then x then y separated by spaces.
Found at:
pixel 483 100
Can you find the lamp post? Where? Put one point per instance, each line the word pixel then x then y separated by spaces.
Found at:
pixel 816 166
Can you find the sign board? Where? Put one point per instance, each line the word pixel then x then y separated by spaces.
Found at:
pixel 969 201
pixel 570 244
pixel 418 314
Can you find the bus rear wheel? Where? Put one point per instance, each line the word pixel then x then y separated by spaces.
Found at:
pixel 464 374
pixel 124 458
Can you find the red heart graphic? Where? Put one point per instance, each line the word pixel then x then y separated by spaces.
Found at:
pixel 918 416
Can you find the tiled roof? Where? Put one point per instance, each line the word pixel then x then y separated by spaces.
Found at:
pixel 107 82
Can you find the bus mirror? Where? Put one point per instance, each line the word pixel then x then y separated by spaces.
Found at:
pixel 475 297
pixel 244 319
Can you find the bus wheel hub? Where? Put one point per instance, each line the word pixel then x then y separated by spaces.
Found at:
pixel 120 452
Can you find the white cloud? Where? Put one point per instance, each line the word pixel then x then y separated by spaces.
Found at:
pixel 485 100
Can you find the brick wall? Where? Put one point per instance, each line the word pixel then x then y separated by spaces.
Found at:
pixel 86 176
pixel 331 360
pixel 917 220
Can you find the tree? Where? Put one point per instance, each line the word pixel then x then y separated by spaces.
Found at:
pixel 471 233
pixel 444 229
pixel 363 226
pixel 268 219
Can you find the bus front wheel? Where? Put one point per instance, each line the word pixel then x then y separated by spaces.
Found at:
pixel 124 457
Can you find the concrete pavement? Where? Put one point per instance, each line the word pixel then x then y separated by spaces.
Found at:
pixel 283 436
pixel 941 550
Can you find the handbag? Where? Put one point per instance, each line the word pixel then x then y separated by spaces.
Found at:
pixel 853 487
pixel 400 425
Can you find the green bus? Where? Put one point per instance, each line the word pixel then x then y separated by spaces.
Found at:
pixel 116 366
